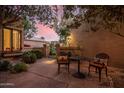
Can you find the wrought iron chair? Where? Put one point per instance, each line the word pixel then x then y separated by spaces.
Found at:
pixel 62 59
pixel 99 62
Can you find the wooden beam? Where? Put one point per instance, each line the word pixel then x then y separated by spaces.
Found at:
pixel 8 21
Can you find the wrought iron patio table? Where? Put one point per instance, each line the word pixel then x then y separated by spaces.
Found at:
pixel 78 74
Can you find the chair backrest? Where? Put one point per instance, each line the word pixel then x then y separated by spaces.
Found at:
pixel 62 58
pixel 62 53
pixel 103 57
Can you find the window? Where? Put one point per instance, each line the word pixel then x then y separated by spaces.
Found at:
pixel 7 40
pixel 16 40
pixel 11 40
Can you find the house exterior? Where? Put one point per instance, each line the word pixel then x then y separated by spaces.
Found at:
pixel 12 41
pixel 11 38
pixel 100 41
pixel 34 43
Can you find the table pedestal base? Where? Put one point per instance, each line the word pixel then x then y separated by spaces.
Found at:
pixel 79 75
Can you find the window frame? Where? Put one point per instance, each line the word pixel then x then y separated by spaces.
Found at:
pixel 11 43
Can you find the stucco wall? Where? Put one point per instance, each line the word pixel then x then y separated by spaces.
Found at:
pixel 37 45
pixel 100 41
pixel 34 43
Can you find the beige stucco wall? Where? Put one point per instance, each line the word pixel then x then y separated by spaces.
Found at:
pixel 34 43
pixel 100 41
pixel 37 45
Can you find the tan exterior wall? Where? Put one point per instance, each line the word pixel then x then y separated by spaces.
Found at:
pixel 34 43
pixel 100 41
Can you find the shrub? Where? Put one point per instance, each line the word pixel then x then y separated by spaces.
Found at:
pixel 33 57
pixel 29 57
pixel 39 54
pixel 26 57
pixel 52 51
pixel 18 67
pixel 4 65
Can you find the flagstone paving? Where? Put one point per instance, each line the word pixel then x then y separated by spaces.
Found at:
pixel 43 74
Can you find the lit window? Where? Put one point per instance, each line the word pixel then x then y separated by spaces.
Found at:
pixel 7 40
pixel 16 40
pixel 11 40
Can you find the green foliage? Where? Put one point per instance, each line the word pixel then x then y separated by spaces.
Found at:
pixel 29 14
pixel 18 67
pixel 26 23
pixel 97 16
pixel 109 16
pixel 4 65
pixel 29 57
pixel 64 33
pixel 52 49
pixel 33 57
pixel 39 54
pixel 29 27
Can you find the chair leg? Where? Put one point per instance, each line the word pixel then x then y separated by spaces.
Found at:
pixel 58 68
pixel 106 72
pixel 100 74
pixel 89 70
pixel 96 69
pixel 68 68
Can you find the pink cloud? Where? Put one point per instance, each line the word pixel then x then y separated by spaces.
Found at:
pixel 48 33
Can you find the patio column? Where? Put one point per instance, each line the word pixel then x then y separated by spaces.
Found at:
pixel 58 49
pixel 45 50
pixel 22 39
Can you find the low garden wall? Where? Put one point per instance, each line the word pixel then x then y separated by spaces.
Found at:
pixel 45 50
pixel 73 50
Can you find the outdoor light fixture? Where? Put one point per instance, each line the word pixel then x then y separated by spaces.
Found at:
pixel 68 41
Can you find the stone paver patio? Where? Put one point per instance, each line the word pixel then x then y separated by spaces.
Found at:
pixel 43 74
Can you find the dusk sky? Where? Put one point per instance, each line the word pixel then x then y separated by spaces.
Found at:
pixel 46 32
